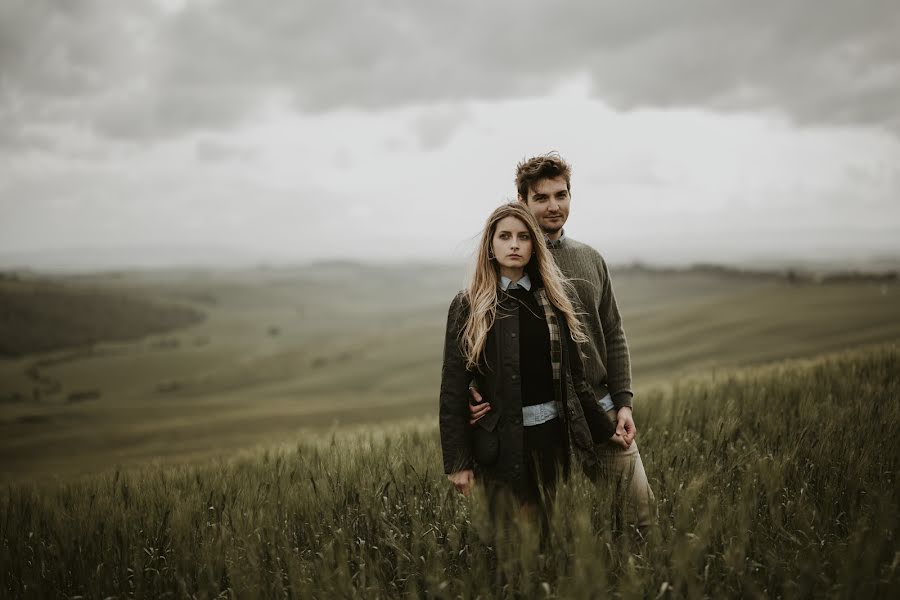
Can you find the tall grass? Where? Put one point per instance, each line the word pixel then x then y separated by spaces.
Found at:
pixel 780 482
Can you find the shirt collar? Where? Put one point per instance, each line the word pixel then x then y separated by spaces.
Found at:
pixel 506 283
pixel 554 244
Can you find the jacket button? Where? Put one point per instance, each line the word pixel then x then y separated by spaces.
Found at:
pixel 513 334
pixel 514 377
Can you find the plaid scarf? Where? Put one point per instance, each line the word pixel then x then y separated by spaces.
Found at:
pixel 555 343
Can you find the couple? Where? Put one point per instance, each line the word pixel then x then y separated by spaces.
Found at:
pixel 536 371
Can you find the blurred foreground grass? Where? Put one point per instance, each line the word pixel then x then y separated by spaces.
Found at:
pixel 774 482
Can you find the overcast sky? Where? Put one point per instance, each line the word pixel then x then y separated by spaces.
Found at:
pixel 234 131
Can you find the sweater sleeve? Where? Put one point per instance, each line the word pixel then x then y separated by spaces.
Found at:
pixel 456 435
pixel 618 358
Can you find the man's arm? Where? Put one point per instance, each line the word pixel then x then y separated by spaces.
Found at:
pixel 618 357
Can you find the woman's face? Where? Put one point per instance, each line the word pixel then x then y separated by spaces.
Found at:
pixel 512 243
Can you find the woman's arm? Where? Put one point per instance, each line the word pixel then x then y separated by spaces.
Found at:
pixel 456 434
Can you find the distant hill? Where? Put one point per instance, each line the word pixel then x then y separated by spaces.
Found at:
pixel 798 274
pixel 41 316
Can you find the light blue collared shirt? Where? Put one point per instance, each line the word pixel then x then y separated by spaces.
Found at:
pixel 508 284
pixel 553 244
pixel 606 403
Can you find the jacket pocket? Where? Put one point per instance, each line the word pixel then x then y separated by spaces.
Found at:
pixel 582 435
pixel 578 425
pixel 486 446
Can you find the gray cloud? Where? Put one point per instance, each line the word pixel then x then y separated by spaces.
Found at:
pixel 214 151
pixel 435 127
pixel 128 70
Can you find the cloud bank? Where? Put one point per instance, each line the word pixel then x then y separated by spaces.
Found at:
pixel 135 71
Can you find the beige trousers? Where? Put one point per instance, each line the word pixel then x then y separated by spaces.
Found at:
pixel 624 470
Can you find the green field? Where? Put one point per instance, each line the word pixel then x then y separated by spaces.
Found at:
pixel 284 352
pixel 773 482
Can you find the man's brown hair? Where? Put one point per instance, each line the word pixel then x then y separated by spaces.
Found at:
pixel 544 166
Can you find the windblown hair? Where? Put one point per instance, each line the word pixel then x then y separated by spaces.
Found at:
pixel 482 292
pixel 544 166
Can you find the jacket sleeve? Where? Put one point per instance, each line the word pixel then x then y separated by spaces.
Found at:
pixel 456 434
pixel 602 428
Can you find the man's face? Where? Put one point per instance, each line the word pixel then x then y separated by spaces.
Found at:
pixel 548 202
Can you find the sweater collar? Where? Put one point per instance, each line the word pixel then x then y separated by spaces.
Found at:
pixel 554 244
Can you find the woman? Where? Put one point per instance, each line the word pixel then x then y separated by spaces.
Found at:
pixel 513 333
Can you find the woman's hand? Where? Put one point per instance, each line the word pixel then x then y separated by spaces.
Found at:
pixel 463 481
pixel 620 440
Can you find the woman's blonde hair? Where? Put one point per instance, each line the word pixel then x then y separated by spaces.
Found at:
pixel 482 291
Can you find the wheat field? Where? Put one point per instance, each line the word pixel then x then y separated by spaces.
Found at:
pixel 777 481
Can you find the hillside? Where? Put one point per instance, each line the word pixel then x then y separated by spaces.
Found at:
pixel 39 315
pixel 312 347
pixel 771 482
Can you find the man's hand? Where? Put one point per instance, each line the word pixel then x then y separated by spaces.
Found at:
pixel 463 481
pixel 618 440
pixel 625 426
pixel 477 408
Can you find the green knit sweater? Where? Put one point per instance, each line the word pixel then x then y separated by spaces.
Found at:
pixel 607 365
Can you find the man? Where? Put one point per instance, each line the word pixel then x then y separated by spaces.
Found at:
pixel 543 185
